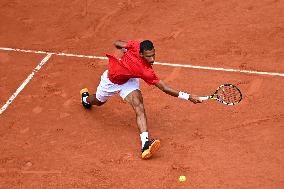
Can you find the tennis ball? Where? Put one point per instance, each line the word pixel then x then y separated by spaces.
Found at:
pixel 182 178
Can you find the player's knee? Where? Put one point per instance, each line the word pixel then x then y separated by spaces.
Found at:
pixel 138 106
pixel 136 101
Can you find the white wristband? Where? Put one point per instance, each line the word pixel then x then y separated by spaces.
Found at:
pixel 183 95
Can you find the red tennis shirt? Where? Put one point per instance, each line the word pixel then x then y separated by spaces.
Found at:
pixel 131 65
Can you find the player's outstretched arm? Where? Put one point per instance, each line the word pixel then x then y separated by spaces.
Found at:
pixel 183 95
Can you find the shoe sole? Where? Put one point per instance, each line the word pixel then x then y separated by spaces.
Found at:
pixel 152 149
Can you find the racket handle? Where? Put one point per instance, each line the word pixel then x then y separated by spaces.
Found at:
pixel 204 98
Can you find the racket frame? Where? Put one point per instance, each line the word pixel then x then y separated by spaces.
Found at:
pixel 214 95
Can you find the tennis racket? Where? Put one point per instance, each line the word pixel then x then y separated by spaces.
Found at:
pixel 227 94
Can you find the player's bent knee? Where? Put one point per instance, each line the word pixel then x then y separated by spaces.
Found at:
pixel 135 99
pixel 139 107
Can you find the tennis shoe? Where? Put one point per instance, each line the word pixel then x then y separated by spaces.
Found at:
pixel 150 147
pixel 85 93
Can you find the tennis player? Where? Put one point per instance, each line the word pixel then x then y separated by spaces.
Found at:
pixel 122 77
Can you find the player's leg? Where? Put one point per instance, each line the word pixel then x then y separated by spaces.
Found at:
pixel 105 89
pixel 92 99
pixel 130 93
pixel 88 100
pixel 135 99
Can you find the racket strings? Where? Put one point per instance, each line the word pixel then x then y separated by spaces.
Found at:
pixel 229 94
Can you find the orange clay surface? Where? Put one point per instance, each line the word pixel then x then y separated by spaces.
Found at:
pixel 47 140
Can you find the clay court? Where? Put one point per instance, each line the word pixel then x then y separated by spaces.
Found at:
pixel 55 48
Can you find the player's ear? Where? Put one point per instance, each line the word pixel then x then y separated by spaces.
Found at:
pixel 141 54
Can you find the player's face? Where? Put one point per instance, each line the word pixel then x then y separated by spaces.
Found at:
pixel 149 56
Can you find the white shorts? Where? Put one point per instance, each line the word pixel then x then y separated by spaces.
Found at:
pixel 106 88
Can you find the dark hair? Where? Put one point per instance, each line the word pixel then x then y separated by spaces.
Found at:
pixel 146 45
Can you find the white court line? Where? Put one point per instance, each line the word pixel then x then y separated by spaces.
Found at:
pixel 221 69
pixel 22 86
pixel 53 53
pixel 158 63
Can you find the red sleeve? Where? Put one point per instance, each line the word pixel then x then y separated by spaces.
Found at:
pixel 150 77
pixel 112 61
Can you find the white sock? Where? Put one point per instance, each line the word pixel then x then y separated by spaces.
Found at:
pixel 85 99
pixel 144 138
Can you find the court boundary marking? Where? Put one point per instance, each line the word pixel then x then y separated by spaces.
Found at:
pixel 25 82
pixel 157 63
pixel 49 54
